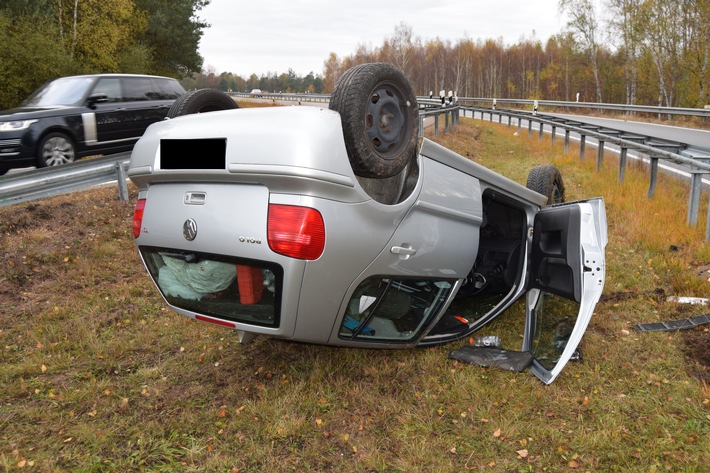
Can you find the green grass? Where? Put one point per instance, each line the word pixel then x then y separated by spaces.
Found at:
pixel 97 375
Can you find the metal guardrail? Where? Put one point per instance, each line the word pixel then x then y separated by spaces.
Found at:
pixel 57 180
pixel 450 113
pixel 48 182
pixel 655 151
pixel 493 102
pixel 279 96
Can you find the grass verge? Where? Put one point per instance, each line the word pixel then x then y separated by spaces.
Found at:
pixel 97 375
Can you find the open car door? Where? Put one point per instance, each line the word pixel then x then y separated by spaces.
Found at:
pixel 566 279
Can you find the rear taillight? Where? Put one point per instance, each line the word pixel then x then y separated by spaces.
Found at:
pixel 298 232
pixel 138 217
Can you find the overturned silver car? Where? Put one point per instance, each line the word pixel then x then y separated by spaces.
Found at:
pixel 342 227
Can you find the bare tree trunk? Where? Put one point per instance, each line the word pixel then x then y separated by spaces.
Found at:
pixel 703 73
pixel 74 33
pixel 595 70
pixel 60 21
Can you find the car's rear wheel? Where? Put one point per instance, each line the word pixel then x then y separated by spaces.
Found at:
pixel 55 149
pixel 379 114
pixel 201 101
pixel 547 180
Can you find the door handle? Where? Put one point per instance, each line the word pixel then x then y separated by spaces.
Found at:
pixel 405 251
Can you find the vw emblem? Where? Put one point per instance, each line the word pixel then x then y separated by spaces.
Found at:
pixel 189 229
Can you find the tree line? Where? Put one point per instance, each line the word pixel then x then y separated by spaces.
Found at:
pixel 650 52
pixel 288 82
pixel 45 39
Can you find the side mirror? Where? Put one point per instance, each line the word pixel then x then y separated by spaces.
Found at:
pixel 96 98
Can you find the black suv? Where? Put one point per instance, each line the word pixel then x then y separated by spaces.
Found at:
pixel 77 116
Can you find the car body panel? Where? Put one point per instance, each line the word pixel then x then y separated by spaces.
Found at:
pixel 585 255
pixel 387 273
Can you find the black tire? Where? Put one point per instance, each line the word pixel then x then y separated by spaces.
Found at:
pixel 547 180
pixel 379 114
pixel 55 149
pixel 201 101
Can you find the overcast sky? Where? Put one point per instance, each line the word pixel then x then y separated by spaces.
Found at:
pixel 272 36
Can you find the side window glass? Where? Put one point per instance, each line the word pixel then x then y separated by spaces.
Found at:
pixel 554 319
pixel 137 89
pixel 109 87
pixel 167 89
pixel 393 310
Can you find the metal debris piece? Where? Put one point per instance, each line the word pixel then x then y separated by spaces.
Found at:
pixel 682 324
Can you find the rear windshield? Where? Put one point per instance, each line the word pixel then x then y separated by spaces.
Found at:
pixel 233 289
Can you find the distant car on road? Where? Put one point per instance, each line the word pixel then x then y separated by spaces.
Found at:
pixel 72 117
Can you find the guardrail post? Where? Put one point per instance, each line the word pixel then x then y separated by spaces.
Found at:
pixel 694 199
pixel 510 120
pixel 121 178
pixel 421 126
pixel 500 118
pixel 622 163
pixel 554 133
pixel 600 154
pixel 436 124
pixel 529 128
pixel 654 177
pixel 566 140
pixel 582 141
pixel 539 136
pixel 446 121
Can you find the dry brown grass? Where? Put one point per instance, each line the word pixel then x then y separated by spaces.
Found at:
pixel 97 375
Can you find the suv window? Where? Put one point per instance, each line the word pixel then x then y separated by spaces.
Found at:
pixel 138 88
pixel 111 87
pixel 167 89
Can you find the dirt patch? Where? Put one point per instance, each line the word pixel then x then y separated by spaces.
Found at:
pixel 696 346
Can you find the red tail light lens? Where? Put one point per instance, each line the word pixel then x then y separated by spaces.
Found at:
pixel 138 217
pixel 298 232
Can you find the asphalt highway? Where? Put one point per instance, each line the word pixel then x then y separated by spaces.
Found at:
pixel 698 141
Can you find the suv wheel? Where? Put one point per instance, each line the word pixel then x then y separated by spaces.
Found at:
pixel 547 180
pixel 55 149
pixel 201 101
pixel 379 114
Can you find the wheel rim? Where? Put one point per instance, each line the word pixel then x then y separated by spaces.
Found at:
pixel 385 121
pixel 57 150
pixel 556 194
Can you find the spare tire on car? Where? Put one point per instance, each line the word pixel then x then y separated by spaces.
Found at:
pixel 547 180
pixel 201 101
pixel 379 115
